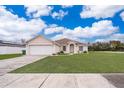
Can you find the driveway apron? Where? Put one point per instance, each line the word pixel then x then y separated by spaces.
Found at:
pixel 8 65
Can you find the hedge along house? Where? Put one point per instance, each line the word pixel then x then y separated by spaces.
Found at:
pixel 7 47
pixel 42 46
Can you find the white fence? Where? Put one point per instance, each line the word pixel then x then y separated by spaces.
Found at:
pixel 10 50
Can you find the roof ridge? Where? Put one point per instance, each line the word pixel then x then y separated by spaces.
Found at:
pixel 60 41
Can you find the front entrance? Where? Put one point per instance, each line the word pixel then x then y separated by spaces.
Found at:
pixel 71 48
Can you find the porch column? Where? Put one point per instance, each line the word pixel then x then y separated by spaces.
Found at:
pixel 75 49
pixel 68 48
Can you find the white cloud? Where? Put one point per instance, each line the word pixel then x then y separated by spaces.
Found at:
pixel 122 16
pixel 100 11
pixel 53 29
pixel 14 28
pixel 59 15
pixel 61 36
pixel 117 36
pixel 98 29
pixel 101 40
pixel 67 6
pixel 38 10
pixel 58 36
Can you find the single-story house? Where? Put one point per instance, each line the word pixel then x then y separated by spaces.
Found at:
pixel 42 46
pixel 7 47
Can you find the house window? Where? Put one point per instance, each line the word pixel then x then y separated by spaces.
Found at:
pixel 80 48
pixel 64 48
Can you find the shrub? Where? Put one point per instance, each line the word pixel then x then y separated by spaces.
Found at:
pixel 85 52
pixel 61 52
pixel 23 52
pixel 53 54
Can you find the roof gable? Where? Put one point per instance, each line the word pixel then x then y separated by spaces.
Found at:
pixel 39 40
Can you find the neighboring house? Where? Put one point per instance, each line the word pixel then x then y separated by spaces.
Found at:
pixel 42 46
pixel 10 48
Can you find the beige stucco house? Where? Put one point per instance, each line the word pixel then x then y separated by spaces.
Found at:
pixel 42 46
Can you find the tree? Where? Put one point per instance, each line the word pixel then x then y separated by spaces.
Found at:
pixel 115 44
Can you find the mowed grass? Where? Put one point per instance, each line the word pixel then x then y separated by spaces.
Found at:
pixel 7 56
pixel 94 62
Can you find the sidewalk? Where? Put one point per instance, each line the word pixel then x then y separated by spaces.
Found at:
pixel 54 81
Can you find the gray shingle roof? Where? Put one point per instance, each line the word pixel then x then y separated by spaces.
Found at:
pixel 66 41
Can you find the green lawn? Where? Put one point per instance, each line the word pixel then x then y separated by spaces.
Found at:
pixel 7 56
pixel 94 62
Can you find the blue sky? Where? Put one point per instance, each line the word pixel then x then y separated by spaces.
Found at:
pixel 82 23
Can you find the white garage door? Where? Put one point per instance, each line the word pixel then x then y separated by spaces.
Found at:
pixel 41 50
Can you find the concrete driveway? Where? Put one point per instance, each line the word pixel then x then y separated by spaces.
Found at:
pixel 8 65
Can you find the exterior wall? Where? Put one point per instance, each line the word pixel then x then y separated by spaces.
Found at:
pixel 79 51
pixel 27 50
pixel 68 47
pixel 56 49
pixel 60 48
pixel 76 49
pixel 85 48
pixel 10 50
